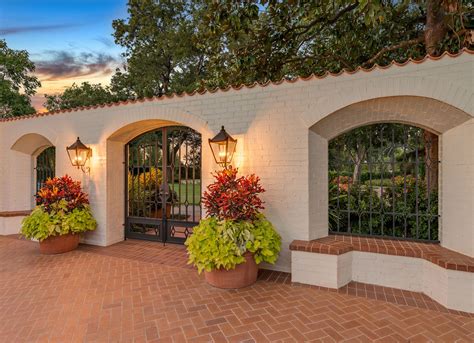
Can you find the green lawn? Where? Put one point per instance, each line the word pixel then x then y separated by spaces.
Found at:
pixel 193 192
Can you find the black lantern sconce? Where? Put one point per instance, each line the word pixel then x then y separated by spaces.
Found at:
pixel 223 147
pixel 79 154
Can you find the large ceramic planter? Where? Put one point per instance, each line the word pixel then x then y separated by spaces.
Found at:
pixel 244 274
pixel 59 244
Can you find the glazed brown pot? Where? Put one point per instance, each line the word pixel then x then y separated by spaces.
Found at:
pixel 59 244
pixel 244 274
pixel 159 213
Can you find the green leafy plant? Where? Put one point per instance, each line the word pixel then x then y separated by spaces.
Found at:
pixel 41 224
pixel 266 241
pixel 402 195
pixel 234 226
pixel 62 209
pixel 217 244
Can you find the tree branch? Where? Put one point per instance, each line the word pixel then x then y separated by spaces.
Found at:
pixel 394 47
pixel 319 20
pixel 404 44
pixel 326 55
pixel 334 19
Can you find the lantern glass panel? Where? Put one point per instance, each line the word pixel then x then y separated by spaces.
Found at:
pixel 231 144
pixel 223 147
pixel 78 154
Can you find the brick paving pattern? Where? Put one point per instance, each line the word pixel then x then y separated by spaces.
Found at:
pixel 125 293
pixel 144 251
pixel 175 255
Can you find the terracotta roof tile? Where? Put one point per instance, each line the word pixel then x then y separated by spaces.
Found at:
pixel 248 86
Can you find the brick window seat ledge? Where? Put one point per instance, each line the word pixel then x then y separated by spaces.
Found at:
pixel 432 252
pixel 10 221
pixel 333 261
pixel 14 213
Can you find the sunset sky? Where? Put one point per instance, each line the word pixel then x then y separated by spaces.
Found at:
pixel 69 40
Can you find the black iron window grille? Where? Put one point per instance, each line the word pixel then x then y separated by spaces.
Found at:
pixel 383 181
pixel 45 167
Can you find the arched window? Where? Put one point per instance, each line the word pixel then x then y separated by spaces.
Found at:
pixel 383 181
pixel 45 166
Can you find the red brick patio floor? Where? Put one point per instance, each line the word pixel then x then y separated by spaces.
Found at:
pixel 143 292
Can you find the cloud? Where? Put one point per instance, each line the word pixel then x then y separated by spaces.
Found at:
pixel 33 28
pixel 109 43
pixel 37 102
pixel 67 65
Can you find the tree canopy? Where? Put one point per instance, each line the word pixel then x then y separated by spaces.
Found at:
pixel 16 82
pixel 183 45
pixel 85 94
pixel 177 45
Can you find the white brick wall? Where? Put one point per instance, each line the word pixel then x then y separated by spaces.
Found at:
pixel 453 289
pixel 318 185
pixel 273 123
pixel 315 269
pixel 10 225
pixel 387 270
pixel 457 189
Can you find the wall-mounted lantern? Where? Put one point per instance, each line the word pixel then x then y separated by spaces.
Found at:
pixel 223 147
pixel 79 154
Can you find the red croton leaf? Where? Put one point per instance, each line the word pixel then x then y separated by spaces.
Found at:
pixel 232 197
pixel 59 188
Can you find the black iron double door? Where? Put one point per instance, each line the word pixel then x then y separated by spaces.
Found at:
pixel 163 184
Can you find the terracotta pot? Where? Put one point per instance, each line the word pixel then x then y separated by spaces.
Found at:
pixel 59 244
pixel 159 213
pixel 244 274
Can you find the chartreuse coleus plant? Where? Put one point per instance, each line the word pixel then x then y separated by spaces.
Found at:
pixel 62 208
pixel 234 225
pixel 217 244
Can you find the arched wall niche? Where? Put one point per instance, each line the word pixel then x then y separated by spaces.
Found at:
pixel 31 144
pixel 24 181
pixel 456 139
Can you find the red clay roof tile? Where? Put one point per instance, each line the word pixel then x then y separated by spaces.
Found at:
pixel 248 86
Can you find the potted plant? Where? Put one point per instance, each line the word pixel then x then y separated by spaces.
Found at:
pixel 145 188
pixel 61 215
pixel 235 237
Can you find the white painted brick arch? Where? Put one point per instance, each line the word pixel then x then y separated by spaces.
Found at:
pixel 430 114
pixel 447 92
pixel 30 143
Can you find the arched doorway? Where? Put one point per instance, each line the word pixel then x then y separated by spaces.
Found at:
pixel 163 184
